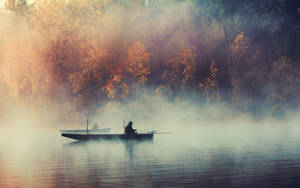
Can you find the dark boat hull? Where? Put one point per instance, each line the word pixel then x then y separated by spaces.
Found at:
pixel 83 137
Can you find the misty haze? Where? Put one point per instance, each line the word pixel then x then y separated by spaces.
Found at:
pixel 149 93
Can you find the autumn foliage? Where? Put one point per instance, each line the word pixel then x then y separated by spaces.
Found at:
pixel 78 55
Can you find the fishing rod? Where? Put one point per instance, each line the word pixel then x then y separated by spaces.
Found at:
pixel 145 130
pixel 162 133
pixel 154 132
pixel 157 132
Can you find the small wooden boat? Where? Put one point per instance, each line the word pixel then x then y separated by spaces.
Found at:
pixel 95 129
pixel 104 130
pixel 84 137
pixel 131 135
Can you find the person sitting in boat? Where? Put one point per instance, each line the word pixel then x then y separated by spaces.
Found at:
pixel 129 130
pixel 96 127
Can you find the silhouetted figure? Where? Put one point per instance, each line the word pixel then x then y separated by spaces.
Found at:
pixel 96 127
pixel 129 130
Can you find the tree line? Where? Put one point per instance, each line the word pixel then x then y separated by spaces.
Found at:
pixel 82 54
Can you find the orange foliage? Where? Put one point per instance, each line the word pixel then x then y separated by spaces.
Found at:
pixel 209 87
pixel 138 59
pixel 116 87
pixel 82 53
pixel 180 71
pixel 240 45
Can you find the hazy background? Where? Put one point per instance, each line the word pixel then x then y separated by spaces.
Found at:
pixel 221 77
pixel 63 61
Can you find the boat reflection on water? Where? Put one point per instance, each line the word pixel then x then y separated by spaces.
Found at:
pixel 116 158
pixel 129 144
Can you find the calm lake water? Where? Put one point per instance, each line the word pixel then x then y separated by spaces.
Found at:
pixel 247 157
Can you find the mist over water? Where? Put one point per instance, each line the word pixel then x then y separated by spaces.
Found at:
pixel 243 155
pixel 213 147
pixel 210 145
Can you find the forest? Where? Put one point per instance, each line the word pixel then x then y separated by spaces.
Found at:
pixel 81 55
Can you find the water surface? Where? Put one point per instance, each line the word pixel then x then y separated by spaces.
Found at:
pixel 209 158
